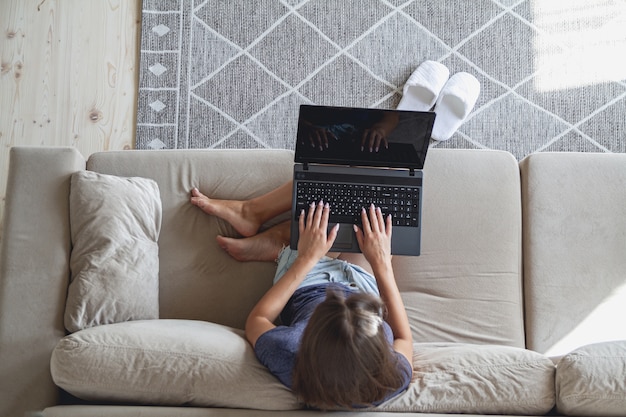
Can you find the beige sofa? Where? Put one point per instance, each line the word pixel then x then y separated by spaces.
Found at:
pixel 516 302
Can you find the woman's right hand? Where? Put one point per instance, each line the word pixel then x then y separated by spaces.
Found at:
pixel 374 237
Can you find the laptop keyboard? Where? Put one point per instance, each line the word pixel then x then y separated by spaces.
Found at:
pixel 347 200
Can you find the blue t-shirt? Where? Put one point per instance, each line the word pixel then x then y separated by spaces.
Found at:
pixel 278 347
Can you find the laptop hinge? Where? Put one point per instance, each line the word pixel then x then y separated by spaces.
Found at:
pixel 411 172
pixel 305 166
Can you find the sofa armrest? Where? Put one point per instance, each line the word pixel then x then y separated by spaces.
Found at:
pixel 34 273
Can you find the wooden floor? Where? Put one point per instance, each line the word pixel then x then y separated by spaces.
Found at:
pixel 69 74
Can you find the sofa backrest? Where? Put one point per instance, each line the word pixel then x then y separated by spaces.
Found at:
pixel 466 285
pixel 574 249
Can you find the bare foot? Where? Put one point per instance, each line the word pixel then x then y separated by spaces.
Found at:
pixel 262 247
pixel 234 212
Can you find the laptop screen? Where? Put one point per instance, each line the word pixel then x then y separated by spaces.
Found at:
pixel 363 137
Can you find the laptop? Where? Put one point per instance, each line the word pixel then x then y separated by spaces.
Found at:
pixel 343 158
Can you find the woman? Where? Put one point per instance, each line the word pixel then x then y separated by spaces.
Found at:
pixel 344 340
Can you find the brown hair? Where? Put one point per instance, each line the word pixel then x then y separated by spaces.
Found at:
pixel 344 360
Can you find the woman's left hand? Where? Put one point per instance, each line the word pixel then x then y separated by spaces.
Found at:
pixel 315 241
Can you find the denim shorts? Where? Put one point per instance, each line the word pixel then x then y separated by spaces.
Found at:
pixel 329 270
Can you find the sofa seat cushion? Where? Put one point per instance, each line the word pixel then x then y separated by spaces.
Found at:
pixel 480 379
pixel 114 224
pixel 591 380
pixel 466 286
pixel 167 362
pixel 574 264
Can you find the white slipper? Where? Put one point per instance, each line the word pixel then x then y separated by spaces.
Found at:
pixel 423 86
pixel 455 102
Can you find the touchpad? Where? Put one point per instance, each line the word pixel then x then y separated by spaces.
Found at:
pixel 344 236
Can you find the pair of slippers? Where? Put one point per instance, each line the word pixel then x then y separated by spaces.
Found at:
pixel 453 97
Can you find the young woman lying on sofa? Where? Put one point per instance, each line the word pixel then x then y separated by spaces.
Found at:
pixel 345 339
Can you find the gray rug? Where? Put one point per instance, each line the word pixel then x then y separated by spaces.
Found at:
pixel 232 73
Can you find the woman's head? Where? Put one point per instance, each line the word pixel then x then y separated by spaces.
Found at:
pixel 345 359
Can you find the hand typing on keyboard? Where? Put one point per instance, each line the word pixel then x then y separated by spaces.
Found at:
pixel 374 236
pixel 314 240
pixel 347 201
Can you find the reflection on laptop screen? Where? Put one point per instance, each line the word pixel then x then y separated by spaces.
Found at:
pixel 363 137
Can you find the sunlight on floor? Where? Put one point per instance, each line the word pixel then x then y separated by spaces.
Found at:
pixel 593 39
pixel 602 324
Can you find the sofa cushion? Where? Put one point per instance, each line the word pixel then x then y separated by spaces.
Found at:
pixel 466 286
pixel 574 264
pixel 480 379
pixel 114 224
pixel 591 380
pixel 183 362
pixel 193 267
pixel 167 362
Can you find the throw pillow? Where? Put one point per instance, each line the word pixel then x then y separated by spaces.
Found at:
pixel 167 362
pixel 591 380
pixel 114 223
pixel 454 378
